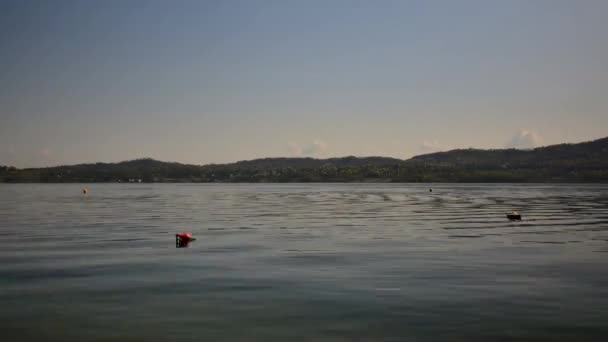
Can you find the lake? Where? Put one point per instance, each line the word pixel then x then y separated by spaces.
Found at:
pixel 306 262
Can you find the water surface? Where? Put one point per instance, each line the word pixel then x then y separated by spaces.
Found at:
pixel 307 262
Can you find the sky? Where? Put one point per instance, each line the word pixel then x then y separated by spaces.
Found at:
pixel 220 81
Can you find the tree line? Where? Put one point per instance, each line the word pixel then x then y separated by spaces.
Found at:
pixel 584 162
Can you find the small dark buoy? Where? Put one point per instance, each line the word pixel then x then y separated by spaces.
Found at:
pixel 183 240
pixel 514 216
pixel 85 190
pixel 430 189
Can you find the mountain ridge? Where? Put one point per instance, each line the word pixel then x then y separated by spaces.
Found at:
pixel 578 162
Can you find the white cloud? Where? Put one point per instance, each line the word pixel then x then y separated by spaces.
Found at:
pixel 46 152
pixel 294 149
pixel 525 139
pixel 429 146
pixel 314 148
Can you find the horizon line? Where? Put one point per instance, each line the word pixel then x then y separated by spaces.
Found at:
pixel 306 157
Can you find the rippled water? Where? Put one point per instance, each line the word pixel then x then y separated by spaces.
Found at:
pixel 349 262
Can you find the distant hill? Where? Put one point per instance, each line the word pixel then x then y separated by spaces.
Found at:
pixel 297 163
pixel 583 162
pixel 580 162
pixel 586 152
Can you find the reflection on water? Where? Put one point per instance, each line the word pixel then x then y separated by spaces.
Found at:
pixel 377 262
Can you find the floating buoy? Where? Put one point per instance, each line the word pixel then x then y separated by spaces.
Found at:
pixel 514 216
pixel 430 189
pixel 183 239
pixel 85 190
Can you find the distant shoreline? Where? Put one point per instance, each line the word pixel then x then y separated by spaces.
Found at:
pixel 566 163
pixel 319 183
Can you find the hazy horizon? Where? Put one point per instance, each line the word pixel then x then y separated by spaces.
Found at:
pixel 213 82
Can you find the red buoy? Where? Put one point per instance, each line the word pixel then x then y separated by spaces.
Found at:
pixel 185 236
pixel 183 239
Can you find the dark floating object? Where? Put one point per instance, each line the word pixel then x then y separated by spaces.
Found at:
pixel 514 216
pixel 183 240
pixel 85 190
pixel 430 189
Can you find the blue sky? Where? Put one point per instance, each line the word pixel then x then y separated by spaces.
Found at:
pixel 220 81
